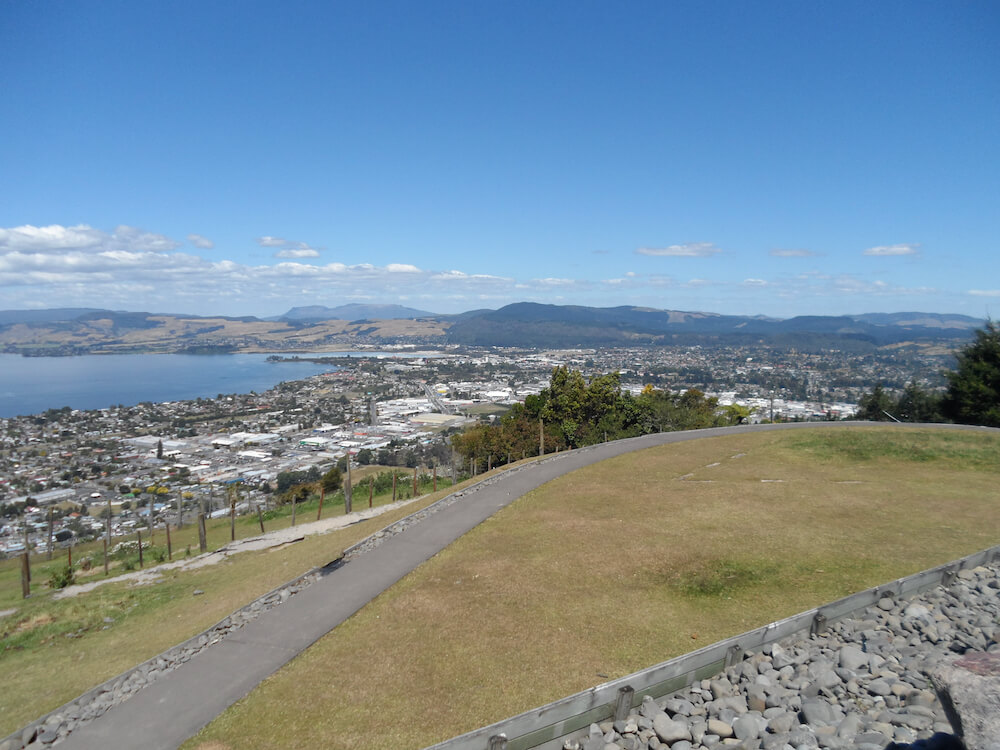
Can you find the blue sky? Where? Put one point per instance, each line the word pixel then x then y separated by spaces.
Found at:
pixel 777 158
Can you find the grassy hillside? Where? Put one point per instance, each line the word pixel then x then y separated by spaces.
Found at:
pixel 52 651
pixel 623 565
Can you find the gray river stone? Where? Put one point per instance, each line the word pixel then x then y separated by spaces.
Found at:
pixel 969 688
pixel 671 730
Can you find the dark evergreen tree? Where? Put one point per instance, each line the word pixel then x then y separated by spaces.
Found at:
pixel 973 395
pixel 332 480
pixel 876 406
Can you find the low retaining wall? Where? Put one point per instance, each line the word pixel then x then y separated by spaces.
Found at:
pixel 546 727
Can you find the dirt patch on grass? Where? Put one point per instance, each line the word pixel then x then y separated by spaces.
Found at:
pixel 32 623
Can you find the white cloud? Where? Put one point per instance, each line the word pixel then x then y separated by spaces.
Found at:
pixel 200 241
pixel 984 292
pixel 478 280
pixel 756 282
pixel 688 250
pixel 82 266
pixel 303 253
pixel 555 282
pixel 793 253
pixel 892 250
pixel 56 239
pixel 268 241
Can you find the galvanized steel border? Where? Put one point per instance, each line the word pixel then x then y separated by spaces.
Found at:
pixel 545 727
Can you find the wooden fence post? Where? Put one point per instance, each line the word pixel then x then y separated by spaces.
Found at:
pixel 295 501
pixel 371 489
pixel 108 534
pixel 25 576
pixel 138 533
pixel 105 555
pixel 414 481
pixel 202 536
pixel 69 556
pixel 49 556
pixel 435 478
pixel 319 511
pixel 260 519
pixel 232 513
pixel 394 485
pixel 541 438
pixel 170 548
pixel 348 489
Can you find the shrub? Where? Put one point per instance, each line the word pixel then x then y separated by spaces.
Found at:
pixel 62 577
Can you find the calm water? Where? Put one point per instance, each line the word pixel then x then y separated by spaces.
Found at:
pixel 29 385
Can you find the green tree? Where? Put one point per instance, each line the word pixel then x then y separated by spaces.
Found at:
pixel 876 406
pixel 973 395
pixel 332 480
pixel 917 405
pixel 737 413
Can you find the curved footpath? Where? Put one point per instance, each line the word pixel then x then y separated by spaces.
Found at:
pixel 179 703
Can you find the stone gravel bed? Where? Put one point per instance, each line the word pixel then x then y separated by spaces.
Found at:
pixel 862 684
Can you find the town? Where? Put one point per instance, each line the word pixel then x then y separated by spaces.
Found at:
pixel 70 475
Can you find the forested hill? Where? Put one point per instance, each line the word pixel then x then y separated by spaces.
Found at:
pixel 524 324
pixel 531 324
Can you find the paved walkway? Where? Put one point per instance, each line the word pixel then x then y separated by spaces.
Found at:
pixel 177 705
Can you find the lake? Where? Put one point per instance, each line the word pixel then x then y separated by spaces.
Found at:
pixel 30 385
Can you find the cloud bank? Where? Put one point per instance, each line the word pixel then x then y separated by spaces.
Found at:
pixel 130 268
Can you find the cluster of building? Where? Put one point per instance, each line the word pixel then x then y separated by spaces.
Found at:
pixel 179 455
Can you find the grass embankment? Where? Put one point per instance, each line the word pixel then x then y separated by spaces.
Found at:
pixel 52 651
pixel 622 565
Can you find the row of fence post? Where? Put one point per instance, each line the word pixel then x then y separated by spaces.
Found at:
pixel 202 534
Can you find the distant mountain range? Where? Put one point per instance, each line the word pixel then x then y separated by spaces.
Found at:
pixel 530 324
pixel 524 324
pixel 314 313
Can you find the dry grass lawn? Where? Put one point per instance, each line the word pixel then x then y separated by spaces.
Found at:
pixel 622 565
